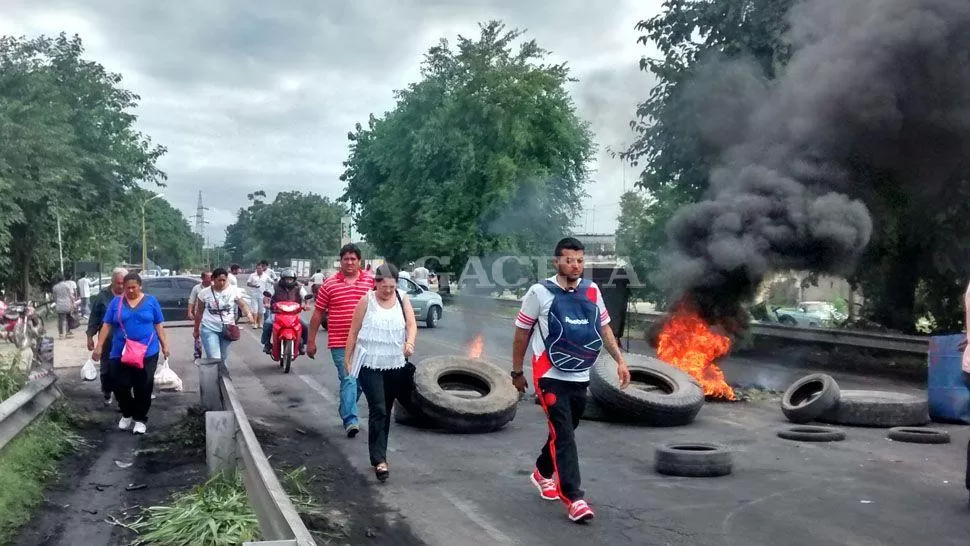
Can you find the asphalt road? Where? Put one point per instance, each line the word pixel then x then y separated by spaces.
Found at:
pixel 474 489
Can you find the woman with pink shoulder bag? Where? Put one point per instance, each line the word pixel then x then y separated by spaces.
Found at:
pixel 136 319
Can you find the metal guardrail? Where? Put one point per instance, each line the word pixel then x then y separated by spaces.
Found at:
pixel 279 521
pixel 231 442
pixel 21 409
pixel 834 336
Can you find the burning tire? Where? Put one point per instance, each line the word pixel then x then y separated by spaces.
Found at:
pixel 812 434
pixel 878 409
pixel 465 395
pixel 918 435
pixel 809 397
pixel 694 460
pixel 659 394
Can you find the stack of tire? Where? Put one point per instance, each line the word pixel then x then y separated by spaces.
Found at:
pixel 459 395
pixel 659 395
pixel 817 397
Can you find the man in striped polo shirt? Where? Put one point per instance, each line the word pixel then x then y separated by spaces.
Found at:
pixel 337 297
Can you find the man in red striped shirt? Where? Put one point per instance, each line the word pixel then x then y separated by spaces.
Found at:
pixel 338 296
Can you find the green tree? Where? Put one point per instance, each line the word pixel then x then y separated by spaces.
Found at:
pixel 636 241
pixel 676 154
pixel 241 242
pixel 170 241
pixel 484 154
pixel 293 225
pixel 70 151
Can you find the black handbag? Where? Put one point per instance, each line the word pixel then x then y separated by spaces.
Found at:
pixel 73 322
pixel 409 368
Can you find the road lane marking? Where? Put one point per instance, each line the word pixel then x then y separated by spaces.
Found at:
pixel 475 515
pixel 318 388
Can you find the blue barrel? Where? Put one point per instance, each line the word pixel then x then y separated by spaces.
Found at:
pixel 948 396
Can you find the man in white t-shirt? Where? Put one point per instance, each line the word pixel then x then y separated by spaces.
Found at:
pixel 84 291
pixel 194 294
pixel 561 386
pixel 316 281
pixel 233 273
pixel 259 281
pixel 420 276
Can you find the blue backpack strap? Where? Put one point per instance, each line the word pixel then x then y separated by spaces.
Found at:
pixel 551 286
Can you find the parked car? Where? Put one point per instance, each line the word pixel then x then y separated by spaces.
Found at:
pixel 811 313
pixel 807 313
pixel 428 306
pixel 172 294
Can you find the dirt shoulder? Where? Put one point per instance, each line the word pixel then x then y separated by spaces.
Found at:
pixel 343 507
pixel 108 482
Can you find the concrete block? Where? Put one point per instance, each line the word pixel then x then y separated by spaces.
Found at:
pixel 220 442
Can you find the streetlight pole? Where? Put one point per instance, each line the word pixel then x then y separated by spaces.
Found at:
pixel 144 236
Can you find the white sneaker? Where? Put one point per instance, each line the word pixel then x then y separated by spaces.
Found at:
pixel 125 423
pixel 140 428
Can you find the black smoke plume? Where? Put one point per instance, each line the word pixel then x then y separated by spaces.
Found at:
pixel 875 90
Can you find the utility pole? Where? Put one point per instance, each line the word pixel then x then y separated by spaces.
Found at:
pixel 200 223
pixel 144 235
pixel 60 244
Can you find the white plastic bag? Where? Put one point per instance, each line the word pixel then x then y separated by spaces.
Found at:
pixel 90 371
pixel 166 379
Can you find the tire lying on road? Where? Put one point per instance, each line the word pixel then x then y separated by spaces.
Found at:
pixel 808 433
pixel 809 397
pixel 464 395
pixel 408 412
pixel 918 435
pixel 595 411
pixel 659 394
pixel 693 459
pixel 878 409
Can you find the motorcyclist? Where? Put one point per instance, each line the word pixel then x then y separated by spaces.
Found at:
pixel 286 289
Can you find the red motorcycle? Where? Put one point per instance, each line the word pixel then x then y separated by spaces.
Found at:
pixel 19 323
pixel 287 333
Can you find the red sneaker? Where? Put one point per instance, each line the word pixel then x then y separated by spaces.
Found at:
pixel 580 512
pixel 547 486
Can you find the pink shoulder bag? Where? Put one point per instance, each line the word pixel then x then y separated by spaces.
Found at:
pixel 133 353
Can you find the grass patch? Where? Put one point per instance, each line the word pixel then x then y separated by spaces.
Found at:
pixel 29 461
pixel 12 378
pixel 325 524
pixel 186 434
pixel 215 513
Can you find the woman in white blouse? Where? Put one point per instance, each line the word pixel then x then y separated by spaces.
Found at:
pixel 381 338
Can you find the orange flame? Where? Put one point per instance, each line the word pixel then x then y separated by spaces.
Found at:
pixel 688 343
pixel 476 347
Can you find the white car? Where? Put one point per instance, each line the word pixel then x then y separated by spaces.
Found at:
pixel 428 306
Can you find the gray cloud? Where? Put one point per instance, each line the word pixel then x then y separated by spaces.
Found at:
pixel 248 95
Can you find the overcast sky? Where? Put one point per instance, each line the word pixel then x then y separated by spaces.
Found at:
pixel 261 95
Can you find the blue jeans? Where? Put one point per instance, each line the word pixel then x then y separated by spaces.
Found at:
pixel 268 330
pixel 349 389
pixel 213 345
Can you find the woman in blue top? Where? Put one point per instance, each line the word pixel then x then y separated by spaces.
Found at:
pixel 138 317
